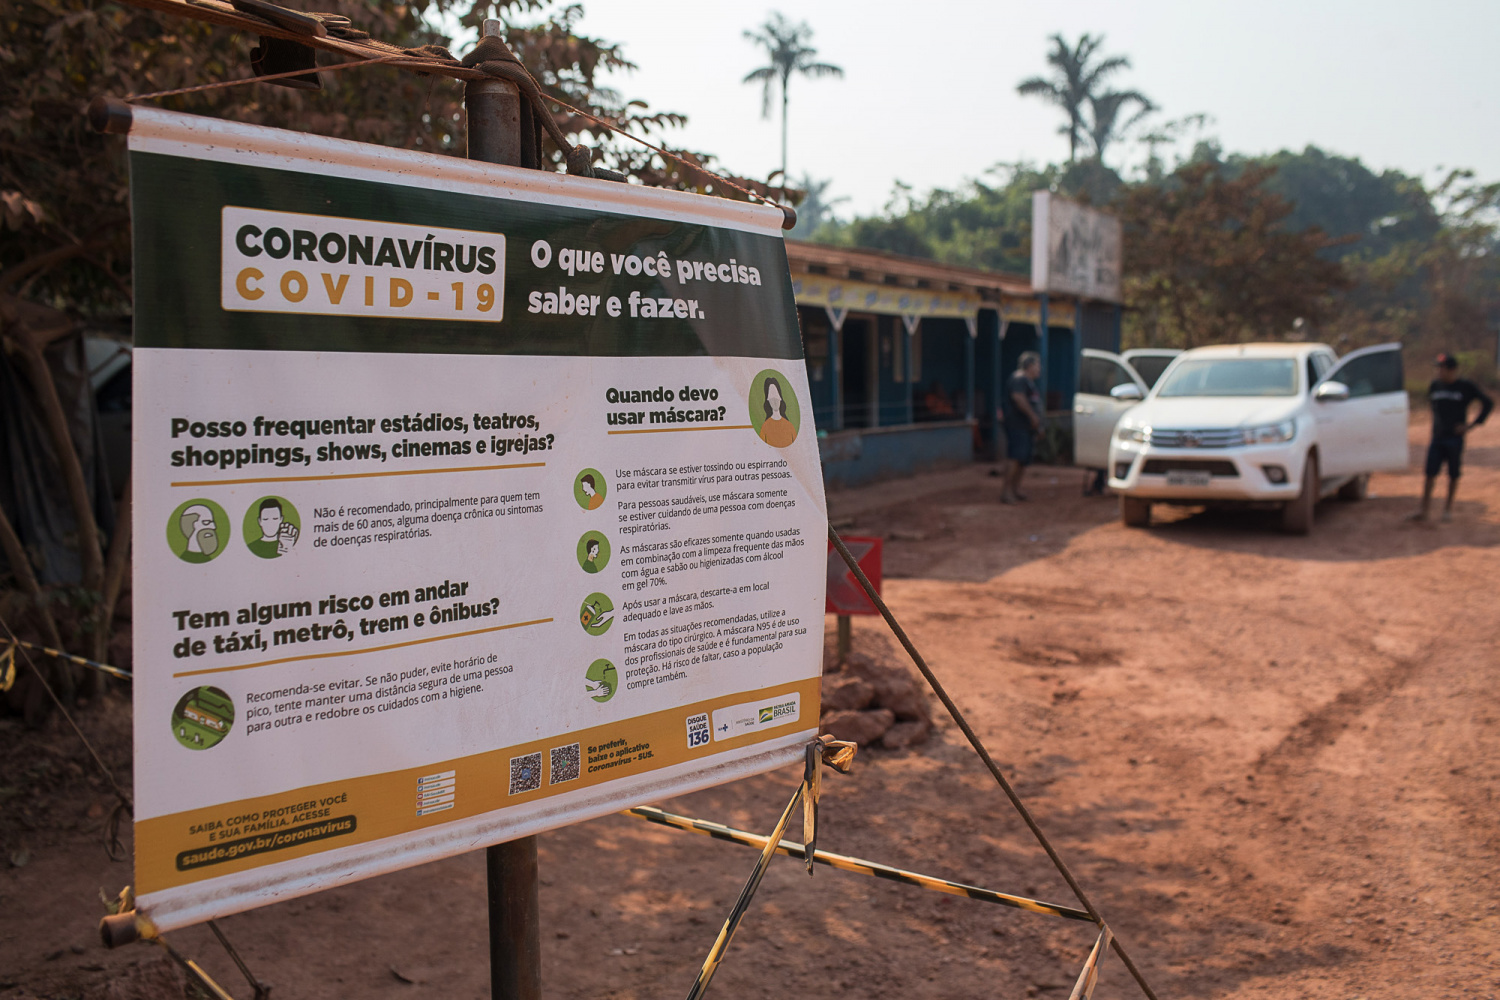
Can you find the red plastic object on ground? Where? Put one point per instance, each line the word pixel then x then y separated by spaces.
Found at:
pixel 845 595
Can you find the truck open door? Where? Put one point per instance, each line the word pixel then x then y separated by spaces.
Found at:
pixel 1107 387
pixel 1368 388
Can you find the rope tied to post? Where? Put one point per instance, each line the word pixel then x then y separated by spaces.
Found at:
pixel 494 58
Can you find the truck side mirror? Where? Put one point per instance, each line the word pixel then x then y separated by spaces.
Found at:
pixel 1127 391
pixel 1331 392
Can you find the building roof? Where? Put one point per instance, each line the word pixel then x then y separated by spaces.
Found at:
pixel 881 267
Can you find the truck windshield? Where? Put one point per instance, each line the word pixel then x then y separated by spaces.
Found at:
pixel 1150 366
pixel 1232 377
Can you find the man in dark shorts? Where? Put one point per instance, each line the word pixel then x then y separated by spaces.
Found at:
pixel 1022 405
pixel 1450 396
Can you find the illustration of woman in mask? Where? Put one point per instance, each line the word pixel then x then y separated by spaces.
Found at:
pixel 777 430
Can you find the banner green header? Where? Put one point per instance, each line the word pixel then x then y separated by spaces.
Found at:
pixel 234 256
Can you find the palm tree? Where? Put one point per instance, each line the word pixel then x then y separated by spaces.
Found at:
pixel 786 45
pixel 1077 79
pixel 1105 125
pixel 815 208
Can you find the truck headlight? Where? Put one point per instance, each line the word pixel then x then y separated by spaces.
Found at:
pixel 1140 435
pixel 1271 433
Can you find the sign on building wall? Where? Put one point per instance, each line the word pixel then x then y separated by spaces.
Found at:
pixel 1075 250
pixel 470 502
pixel 860 296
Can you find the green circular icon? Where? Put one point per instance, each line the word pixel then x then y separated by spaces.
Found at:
pixel 272 527
pixel 593 552
pixel 202 718
pixel 597 614
pixel 601 680
pixel 198 531
pixel 774 412
pixel 589 489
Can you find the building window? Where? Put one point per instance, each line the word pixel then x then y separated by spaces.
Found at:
pixel 815 330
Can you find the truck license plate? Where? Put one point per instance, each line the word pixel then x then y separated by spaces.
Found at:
pixel 1185 477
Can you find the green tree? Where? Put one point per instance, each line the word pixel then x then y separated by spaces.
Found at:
pixel 985 223
pixel 1422 260
pixel 816 207
pixel 1077 77
pixel 1169 133
pixel 1107 121
pixel 788 52
pixel 1209 260
pixel 59 54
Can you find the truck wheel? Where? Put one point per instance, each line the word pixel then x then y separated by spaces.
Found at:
pixel 1297 515
pixel 1356 488
pixel 1135 512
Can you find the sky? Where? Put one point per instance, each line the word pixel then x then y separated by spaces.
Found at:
pixel 929 92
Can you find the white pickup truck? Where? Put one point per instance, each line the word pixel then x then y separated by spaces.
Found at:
pixel 1259 424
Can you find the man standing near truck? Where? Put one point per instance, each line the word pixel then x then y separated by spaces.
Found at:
pixel 1450 397
pixel 1022 406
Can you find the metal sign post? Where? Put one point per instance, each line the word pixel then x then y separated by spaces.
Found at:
pixel 493 108
pixel 844 597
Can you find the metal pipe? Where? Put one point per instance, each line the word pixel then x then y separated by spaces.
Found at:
pixel 494 115
pixel 984 754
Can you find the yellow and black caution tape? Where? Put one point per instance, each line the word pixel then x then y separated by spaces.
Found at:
pixel 1089 977
pixel 826 750
pixel 732 922
pixel 8 667
pixel 845 863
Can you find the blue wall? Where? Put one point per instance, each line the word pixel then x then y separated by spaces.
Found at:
pixel 857 457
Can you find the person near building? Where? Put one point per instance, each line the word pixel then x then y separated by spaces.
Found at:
pixel 1023 422
pixel 1451 398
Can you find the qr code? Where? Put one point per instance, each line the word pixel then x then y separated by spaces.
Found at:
pixel 564 764
pixel 525 773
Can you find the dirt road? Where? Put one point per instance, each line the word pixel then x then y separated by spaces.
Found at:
pixel 1273 760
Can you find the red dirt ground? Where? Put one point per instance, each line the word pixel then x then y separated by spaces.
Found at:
pixel 1272 760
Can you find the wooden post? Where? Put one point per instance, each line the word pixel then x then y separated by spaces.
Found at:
pixel 494 126
pixel 515 921
pixel 846 638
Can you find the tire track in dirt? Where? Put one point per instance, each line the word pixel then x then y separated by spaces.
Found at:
pixel 1321 727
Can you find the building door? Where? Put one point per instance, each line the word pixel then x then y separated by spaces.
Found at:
pixel 858 357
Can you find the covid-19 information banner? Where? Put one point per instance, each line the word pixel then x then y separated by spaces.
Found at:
pixel 469 502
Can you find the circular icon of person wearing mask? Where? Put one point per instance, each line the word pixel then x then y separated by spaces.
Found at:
pixel 589 489
pixel 271 527
pixel 774 412
pixel 593 552
pixel 198 531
